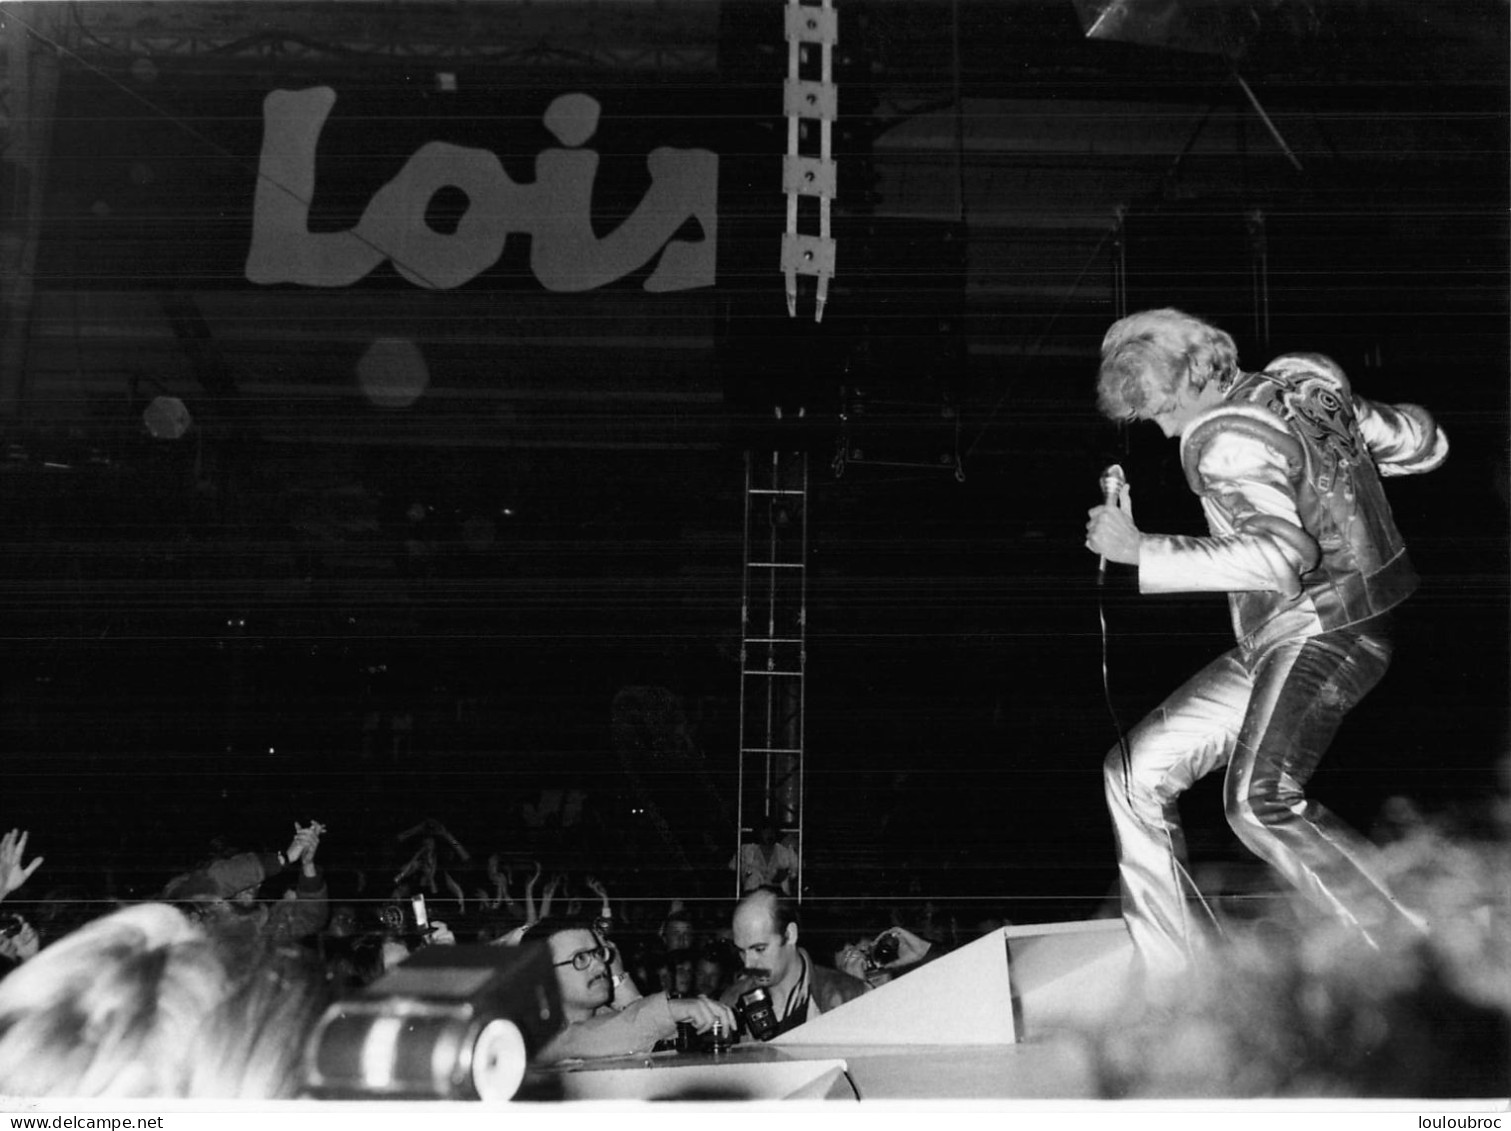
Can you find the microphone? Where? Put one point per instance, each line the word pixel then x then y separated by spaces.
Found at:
pixel 1113 483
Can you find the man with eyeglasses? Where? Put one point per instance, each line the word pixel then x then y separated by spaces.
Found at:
pixel 605 1013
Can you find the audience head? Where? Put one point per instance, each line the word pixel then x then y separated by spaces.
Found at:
pixel 343 922
pixel 142 1003
pixel 765 934
pixel 712 970
pixel 682 963
pixel 677 932
pixel 204 896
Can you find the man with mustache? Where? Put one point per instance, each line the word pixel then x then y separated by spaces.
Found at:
pixel 765 933
pixel 605 1013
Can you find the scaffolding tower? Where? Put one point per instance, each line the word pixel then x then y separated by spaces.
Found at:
pixel 773 650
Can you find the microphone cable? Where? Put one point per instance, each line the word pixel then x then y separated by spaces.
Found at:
pixel 1112 713
pixel 1112 482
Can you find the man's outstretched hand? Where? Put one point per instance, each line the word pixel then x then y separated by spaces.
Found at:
pixel 12 873
pixel 701 1012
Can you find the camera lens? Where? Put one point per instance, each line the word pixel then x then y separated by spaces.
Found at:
pixel 498 1060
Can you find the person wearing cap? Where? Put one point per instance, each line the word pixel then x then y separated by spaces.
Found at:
pixel 222 895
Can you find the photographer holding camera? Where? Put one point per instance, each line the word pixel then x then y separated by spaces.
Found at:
pixel 779 975
pixel 889 955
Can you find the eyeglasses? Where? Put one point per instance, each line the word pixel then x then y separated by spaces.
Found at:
pixel 584 958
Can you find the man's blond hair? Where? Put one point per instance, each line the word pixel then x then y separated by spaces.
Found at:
pixel 1146 356
pixel 142 1003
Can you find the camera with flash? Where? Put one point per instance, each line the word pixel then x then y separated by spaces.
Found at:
pixel 449 1023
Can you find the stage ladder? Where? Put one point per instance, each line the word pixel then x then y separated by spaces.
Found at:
pixel 773 649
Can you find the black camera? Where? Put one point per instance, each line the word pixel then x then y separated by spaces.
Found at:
pixel 409 920
pixel 755 1014
pixel 884 951
pixel 11 926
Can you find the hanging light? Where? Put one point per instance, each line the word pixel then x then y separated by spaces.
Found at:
pixel 166 418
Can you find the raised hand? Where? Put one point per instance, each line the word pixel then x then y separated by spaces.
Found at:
pixel 413 866
pixel 456 891
pixel 428 865
pixel 553 885
pixel 12 873
pixel 312 843
pixel 530 915
pixel 306 839
pixel 502 896
pixel 436 829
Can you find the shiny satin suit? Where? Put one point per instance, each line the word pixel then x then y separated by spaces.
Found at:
pixel 1288 469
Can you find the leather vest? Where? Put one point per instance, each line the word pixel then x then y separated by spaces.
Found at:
pixel 1358 567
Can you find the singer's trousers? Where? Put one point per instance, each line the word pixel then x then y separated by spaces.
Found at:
pixel 1268 717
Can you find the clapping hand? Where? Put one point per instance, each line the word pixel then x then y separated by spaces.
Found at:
pixel 302 838
pixel 12 873
pixel 302 848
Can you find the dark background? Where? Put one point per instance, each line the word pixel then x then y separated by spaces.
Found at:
pixel 198 634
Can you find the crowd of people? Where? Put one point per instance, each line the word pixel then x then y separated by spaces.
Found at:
pixel 212 988
pixel 261 941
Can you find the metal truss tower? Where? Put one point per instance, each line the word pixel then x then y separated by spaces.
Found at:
pixel 773 648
